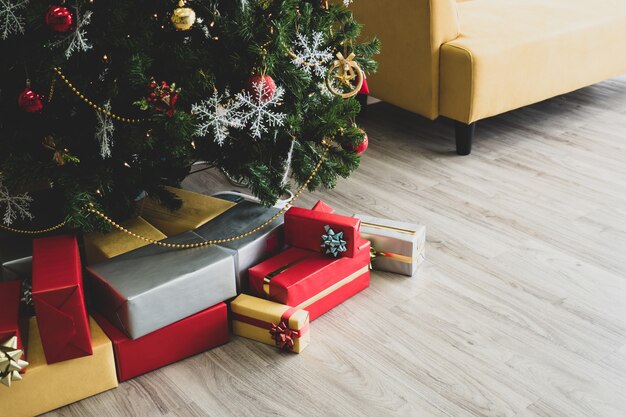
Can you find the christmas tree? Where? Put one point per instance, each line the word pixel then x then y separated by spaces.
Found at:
pixel 105 101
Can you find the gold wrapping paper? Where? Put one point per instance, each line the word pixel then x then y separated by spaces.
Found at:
pixel 47 387
pixel 197 209
pixel 102 246
pixel 269 312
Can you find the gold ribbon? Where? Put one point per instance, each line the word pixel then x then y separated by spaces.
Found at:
pixel 333 288
pixel 394 229
pixel 274 274
pixel 390 255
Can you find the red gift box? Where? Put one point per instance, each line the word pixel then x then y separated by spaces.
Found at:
pixel 195 334
pixel 304 229
pixel 59 299
pixel 323 207
pixel 311 281
pixel 10 322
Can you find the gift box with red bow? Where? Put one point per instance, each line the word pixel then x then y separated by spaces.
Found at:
pixel 190 336
pixel 271 323
pixel 59 299
pixel 327 263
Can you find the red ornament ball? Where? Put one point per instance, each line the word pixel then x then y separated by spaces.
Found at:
pixel 29 101
pixel 59 19
pixel 360 148
pixel 261 87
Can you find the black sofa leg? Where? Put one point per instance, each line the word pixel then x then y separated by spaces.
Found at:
pixel 464 136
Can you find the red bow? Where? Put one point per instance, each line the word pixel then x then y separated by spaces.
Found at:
pixel 284 336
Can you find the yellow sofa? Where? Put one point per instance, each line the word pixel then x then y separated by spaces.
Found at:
pixel 471 59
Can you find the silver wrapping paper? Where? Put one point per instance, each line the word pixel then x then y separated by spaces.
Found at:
pixel 21 270
pixel 152 287
pixel 394 237
pixel 253 249
pixel 18 269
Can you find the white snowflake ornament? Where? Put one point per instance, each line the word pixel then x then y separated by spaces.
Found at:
pixel 14 205
pixel 77 40
pixel 258 108
pixel 11 21
pixel 104 131
pixel 309 55
pixel 217 115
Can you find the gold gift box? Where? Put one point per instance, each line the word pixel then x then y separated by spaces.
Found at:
pixel 102 246
pixel 47 387
pixel 246 310
pixel 197 209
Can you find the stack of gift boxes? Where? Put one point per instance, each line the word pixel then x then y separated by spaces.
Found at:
pixel 152 305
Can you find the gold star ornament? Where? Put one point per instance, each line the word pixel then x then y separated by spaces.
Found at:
pixel 10 362
pixel 345 77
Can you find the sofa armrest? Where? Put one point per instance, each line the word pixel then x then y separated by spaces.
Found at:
pixel 411 32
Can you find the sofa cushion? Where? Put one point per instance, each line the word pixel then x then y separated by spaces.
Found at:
pixel 512 53
pixel 412 32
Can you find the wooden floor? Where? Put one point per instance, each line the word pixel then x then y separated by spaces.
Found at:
pixel 519 311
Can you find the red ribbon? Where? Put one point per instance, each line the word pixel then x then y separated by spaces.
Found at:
pixel 284 337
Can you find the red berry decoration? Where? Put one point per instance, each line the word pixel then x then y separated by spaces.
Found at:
pixel 59 19
pixel 261 87
pixel 360 148
pixel 29 101
pixel 163 97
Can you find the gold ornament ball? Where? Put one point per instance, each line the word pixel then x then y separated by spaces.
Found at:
pixel 183 17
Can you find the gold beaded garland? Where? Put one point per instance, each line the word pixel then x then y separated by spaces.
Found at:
pixel 90 103
pixel 327 145
pixel 90 208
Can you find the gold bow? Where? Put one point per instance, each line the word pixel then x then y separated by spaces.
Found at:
pixel 345 72
pixel 10 362
pixel 60 156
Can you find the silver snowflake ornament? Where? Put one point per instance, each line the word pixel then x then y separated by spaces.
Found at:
pixel 104 131
pixel 216 115
pixel 309 54
pixel 258 108
pixel 333 242
pixel 11 20
pixel 77 40
pixel 14 205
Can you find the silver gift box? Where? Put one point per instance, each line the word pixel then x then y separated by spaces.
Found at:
pixel 21 270
pixel 399 247
pixel 253 249
pixel 152 287
pixel 18 269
